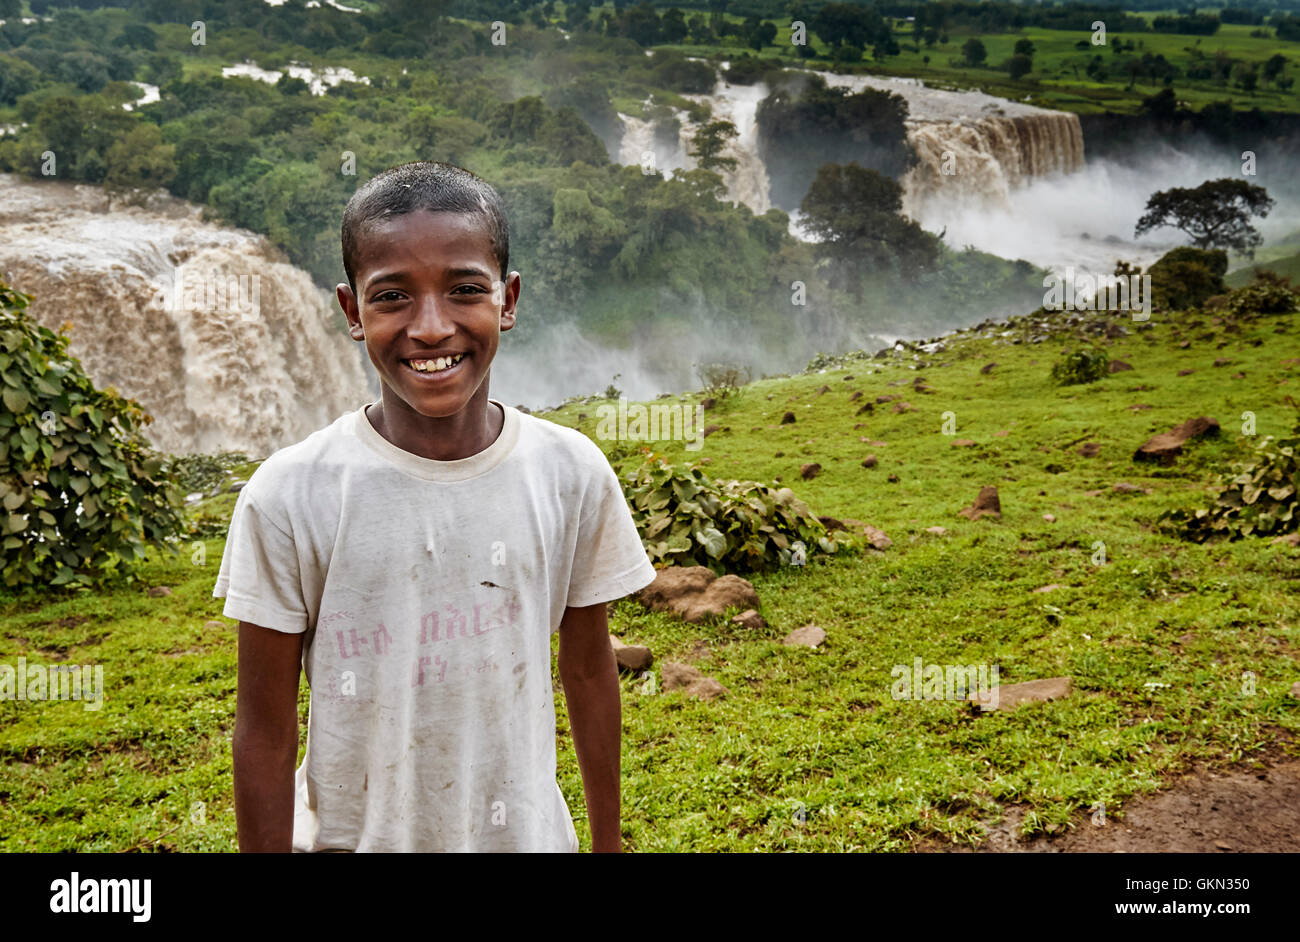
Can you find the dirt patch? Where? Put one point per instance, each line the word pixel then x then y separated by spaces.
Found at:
pixel 1210 811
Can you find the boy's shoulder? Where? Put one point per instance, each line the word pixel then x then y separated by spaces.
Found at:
pixel 552 439
pixel 316 456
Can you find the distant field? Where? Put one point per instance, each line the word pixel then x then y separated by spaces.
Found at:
pixel 1054 82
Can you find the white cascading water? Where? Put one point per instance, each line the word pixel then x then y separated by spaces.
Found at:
pixel 226 362
pixel 1002 176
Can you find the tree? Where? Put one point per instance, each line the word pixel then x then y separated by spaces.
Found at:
pixel 856 213
pixel 140 158
pixel 974 52
pixel 83 493
pixel 673 26
pixel 708 144
pixel 17 78
pixel 1018 66
pixel 758 33
pixel 1215 214
pixel 1024 47
pixel 1273 67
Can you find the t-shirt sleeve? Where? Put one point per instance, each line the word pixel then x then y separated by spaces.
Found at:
pixel 609 560
pixel 259 576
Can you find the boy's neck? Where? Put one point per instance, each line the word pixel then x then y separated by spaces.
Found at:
pixel 445 438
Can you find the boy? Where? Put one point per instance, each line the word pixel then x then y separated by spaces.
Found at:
pixel 415 557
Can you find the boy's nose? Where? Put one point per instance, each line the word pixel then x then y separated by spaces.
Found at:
pixel 431 323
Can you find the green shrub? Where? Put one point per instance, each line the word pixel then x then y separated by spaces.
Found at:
pixel 686 518
pixel 721 380
pixel 1185 277
pixel 1267 294
pixel 1081 366
pixel 203 472
pixel 1255 498
pixel 83 493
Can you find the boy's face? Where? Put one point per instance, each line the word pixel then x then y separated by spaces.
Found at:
pixel 430 307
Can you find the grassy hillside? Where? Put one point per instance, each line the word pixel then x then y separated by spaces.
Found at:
pixel 1157 638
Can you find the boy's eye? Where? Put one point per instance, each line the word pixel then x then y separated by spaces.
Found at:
pixel 386 296
pixel 473 289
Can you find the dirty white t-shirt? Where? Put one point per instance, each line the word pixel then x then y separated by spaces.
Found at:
pixel 429 591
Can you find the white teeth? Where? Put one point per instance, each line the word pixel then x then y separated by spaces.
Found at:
pixel 435 366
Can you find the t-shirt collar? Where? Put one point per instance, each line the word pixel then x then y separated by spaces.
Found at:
pixel 430 469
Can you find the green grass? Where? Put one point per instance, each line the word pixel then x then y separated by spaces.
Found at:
pixel 816 730
pixel 1286 265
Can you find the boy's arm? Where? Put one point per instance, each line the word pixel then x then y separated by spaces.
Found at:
pixel 589 676
pixel 265 744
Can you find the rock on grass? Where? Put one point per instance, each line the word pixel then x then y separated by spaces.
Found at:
pixel 690 681
pixel 1010 696
pixel 1168 445
pixel 696 593
pixel 986 504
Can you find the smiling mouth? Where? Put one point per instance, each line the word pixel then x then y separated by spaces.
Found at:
pixel 436 365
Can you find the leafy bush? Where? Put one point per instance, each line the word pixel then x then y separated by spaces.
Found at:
pixel 1081 366
pixel 722 379
pixel 1255 498
pixel 83 494
pixel 1185 277
pixel 1269 293
pixel 203 472
pixel 686 518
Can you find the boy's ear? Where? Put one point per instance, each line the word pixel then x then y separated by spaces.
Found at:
pixel 509 299
pixel 348 301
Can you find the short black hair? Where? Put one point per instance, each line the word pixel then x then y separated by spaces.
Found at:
pixel 428 185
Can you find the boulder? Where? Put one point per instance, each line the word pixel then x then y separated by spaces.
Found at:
pixel 711 429
pixel 690 681
pixel 158 591
pixel 696 593
pixel 1087 449
pixel 986 504
pixel 1123 487
pixel 787 418
pixel 937 531
pixel 810 471
pixel 884 399
pixel 1011 696
pixel 870 461
pixel 749 618
pixel 902 407
pixel 809 636
pixel 1050 518
pixel 987 368
pixel 1295 690
pixel 876 537
pixel 962 443
pixel 631 657
pixel 856 396
pixel 1119 366
pixel 710 402
pixel 1168 445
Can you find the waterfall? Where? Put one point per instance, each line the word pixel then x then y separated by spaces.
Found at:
pixel 972 148
pixel 747 183
pixel 211 329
